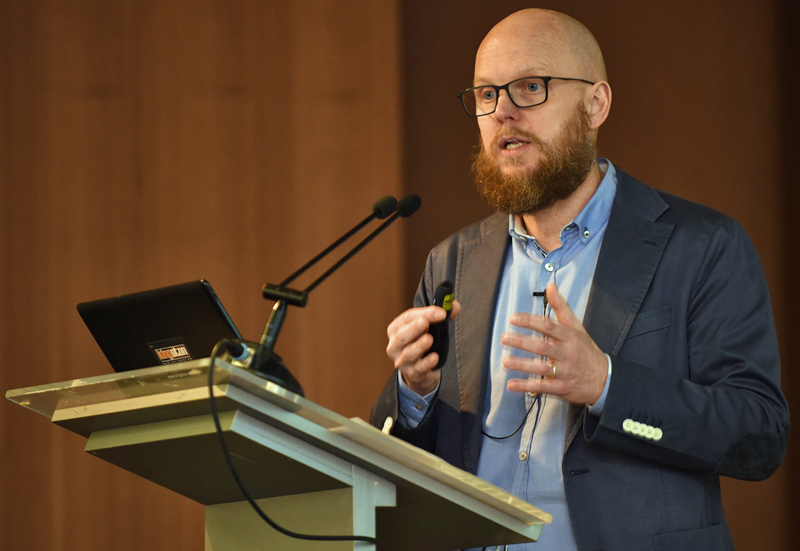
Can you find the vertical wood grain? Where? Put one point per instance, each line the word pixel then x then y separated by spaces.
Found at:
pixel 147 143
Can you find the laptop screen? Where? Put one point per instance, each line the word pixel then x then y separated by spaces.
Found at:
pixel 160 326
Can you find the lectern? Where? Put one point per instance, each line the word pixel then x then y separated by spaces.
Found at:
pixel 311 470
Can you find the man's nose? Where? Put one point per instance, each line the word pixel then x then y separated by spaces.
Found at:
pixel 506 109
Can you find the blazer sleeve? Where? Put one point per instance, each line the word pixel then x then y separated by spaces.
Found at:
pixel 386 406
pixel 700 364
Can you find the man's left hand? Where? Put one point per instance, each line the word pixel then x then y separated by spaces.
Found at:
pixel 579 368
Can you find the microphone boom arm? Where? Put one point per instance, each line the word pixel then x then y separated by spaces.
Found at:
pixel 268 361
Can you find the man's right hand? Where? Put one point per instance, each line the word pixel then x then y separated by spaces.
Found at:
pixel 409 341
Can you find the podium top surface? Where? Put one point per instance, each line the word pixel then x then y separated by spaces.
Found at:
pixel 186 380
pixel 46 399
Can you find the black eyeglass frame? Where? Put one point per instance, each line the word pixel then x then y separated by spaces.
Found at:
pixel 505 86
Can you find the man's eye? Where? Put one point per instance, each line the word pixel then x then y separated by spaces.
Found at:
pixel 533 87
pixel 487 94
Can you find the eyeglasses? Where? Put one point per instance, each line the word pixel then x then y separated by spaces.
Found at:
pixel 523 92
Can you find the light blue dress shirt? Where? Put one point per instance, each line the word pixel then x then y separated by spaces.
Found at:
pixel 528 464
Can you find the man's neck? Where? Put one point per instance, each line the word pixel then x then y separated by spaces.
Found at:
pixel 547 224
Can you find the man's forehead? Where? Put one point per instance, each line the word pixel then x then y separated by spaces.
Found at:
pixel 507 61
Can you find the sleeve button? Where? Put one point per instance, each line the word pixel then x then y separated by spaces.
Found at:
pixel 627 425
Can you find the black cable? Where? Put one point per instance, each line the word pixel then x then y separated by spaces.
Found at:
pixel 226 451
pixel 536 400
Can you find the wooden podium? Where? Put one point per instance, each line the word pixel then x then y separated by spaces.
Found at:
pixel 310 469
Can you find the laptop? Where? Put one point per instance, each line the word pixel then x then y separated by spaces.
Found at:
pixel 160 326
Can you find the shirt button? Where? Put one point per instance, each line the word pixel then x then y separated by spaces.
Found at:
pixel 549 267
pixel 586 234
pixel 523 456
pixel 419 407
pixel 532 394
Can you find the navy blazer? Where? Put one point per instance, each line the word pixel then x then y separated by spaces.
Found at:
pixel 680 303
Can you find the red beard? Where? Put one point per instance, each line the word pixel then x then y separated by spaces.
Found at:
pixel 563 167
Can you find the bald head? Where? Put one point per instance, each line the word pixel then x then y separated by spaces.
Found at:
pixel 551 43
pixel 545 146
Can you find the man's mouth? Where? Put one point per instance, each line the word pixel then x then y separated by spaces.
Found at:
pixel 514 144
pixel 510 144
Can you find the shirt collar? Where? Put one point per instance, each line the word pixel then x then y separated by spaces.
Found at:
pixel 591 219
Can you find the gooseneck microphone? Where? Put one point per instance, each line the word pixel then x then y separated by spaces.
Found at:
pixel 265 362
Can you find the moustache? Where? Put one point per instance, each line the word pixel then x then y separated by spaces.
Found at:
pixel 513 131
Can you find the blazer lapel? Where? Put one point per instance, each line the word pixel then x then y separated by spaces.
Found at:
pixel 631 250
pixel 479 267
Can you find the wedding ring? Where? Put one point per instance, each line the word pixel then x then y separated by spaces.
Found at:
pixel 553 374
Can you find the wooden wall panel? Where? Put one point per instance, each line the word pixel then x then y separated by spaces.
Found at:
pixel 146 143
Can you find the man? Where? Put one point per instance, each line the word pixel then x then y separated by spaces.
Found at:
pixel 613 351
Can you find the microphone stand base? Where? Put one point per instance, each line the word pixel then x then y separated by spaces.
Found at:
pixel 268 365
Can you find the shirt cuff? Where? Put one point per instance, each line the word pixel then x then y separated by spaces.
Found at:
pixel 412 406
pixel 597 408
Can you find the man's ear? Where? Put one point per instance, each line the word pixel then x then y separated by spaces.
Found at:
pixel 599 104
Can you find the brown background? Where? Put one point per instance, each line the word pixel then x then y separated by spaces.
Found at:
pixel 146 143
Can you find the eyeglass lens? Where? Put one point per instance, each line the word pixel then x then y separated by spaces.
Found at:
pixel 525 92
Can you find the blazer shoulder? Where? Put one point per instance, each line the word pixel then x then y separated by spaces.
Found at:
pixel 686 210
pixel 660 206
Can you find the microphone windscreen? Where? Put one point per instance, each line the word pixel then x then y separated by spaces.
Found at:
pixel 409 204
pixel 384 207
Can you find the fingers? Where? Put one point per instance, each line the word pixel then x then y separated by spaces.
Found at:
pixel 407 328
pixel 456 310
pixel 544 383
pixel 561 309
pixel 581 365
pixel 409 342
pixel 534 366
pixel 412 323
pixel 529 343
pixel 558 329
pixel 556 386
pixel 409 346
pixel 433 314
